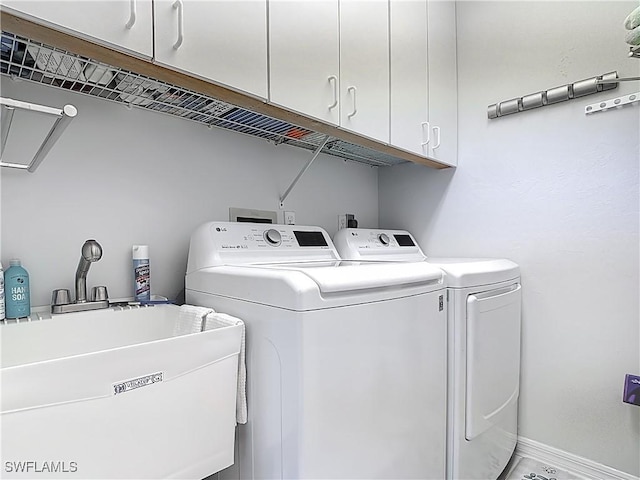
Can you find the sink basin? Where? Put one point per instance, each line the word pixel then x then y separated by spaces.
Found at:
pixel 117 394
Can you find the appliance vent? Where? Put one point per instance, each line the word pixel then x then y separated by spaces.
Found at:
pixel 35 62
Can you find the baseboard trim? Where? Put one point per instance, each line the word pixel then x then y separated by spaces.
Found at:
pixel 568 461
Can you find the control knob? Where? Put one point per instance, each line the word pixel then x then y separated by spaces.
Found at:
pixel 272 236
pixel 384 239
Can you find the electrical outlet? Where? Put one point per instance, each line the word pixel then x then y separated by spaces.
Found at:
pixel 289 218
pixel 342 222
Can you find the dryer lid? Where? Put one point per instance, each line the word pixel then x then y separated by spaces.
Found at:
pixel 471 272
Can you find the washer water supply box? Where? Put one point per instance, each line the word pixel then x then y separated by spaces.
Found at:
pixel 135 393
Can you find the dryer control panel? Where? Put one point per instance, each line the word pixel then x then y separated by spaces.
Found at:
pixel 225 243
pixel 377 244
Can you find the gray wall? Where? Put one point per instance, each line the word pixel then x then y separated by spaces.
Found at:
pixel 128 177
pixel 556 191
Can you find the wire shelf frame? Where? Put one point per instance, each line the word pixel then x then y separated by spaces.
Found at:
pixel 39 63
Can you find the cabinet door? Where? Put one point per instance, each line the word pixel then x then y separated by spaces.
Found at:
pixel 364 67
pixel 217 40
pixel 304 57
pixel 120 24
pixel 443 82
pixel 409 92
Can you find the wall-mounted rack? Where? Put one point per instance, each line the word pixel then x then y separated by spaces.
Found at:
pixel 64 117
pixel 26 59
pixel 588 86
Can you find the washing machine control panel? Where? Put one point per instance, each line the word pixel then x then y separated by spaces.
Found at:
pixel 227 243
pixel 274 236
pixel 362 243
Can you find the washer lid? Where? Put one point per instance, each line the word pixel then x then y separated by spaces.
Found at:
pixel 344 276
pixel 317 285
pixel 470 272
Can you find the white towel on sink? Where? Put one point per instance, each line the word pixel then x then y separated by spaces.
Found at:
pixel 191 319
pixel 218 320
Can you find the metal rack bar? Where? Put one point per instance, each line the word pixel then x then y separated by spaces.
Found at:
pixel 304 169
pixel 65 115
pixel 6 119
pixel 628 79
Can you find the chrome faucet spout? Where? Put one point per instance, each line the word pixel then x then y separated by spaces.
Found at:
pixel 91 252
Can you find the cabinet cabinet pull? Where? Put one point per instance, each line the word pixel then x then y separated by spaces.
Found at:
pixel 132 15
pixel 426 142
pixel 355 109
pixel 436 131
pixel 333 80
pixel 180 7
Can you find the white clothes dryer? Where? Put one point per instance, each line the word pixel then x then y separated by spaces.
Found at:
pixel 484 310
pixel 346 362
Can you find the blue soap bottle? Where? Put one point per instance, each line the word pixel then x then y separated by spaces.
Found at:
pixel 16 287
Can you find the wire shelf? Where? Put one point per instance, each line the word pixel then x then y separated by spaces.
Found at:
pixel 39 63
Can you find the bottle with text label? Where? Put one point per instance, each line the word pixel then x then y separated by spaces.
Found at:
pixel 142 279
pixel 17 294
pixel 1 293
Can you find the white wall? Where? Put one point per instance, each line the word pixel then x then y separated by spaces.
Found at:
pixel 557 192
pixel 129 177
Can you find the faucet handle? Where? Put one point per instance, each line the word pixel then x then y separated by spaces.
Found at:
pixel 99 294
pixel 61 296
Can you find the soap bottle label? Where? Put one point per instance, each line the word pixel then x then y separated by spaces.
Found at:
pixel 17 298
pixel 1 294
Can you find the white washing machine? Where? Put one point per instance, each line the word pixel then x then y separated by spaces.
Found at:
pixel 484 309
pixel 346 361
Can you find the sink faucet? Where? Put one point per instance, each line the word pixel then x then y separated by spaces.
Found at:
pixel 61 301
pixel 91 252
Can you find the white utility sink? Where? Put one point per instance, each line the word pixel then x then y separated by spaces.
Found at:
pixel 117 394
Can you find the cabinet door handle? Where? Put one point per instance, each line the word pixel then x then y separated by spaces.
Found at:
pixel 132 15
pixel 355 109
pixel 180 7
pixel 333 80
pixel 436 131
pixel 426 142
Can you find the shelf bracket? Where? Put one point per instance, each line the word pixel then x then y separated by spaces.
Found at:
pixel 304 169
pixel 9 106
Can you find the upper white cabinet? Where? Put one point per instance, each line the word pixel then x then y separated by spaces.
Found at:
pixel 409 75
pixel 125 25
pixel 329 59
pixel 443 82
pixel 364 67
pixel 218 40
pixel 424 78
pixel 304 57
